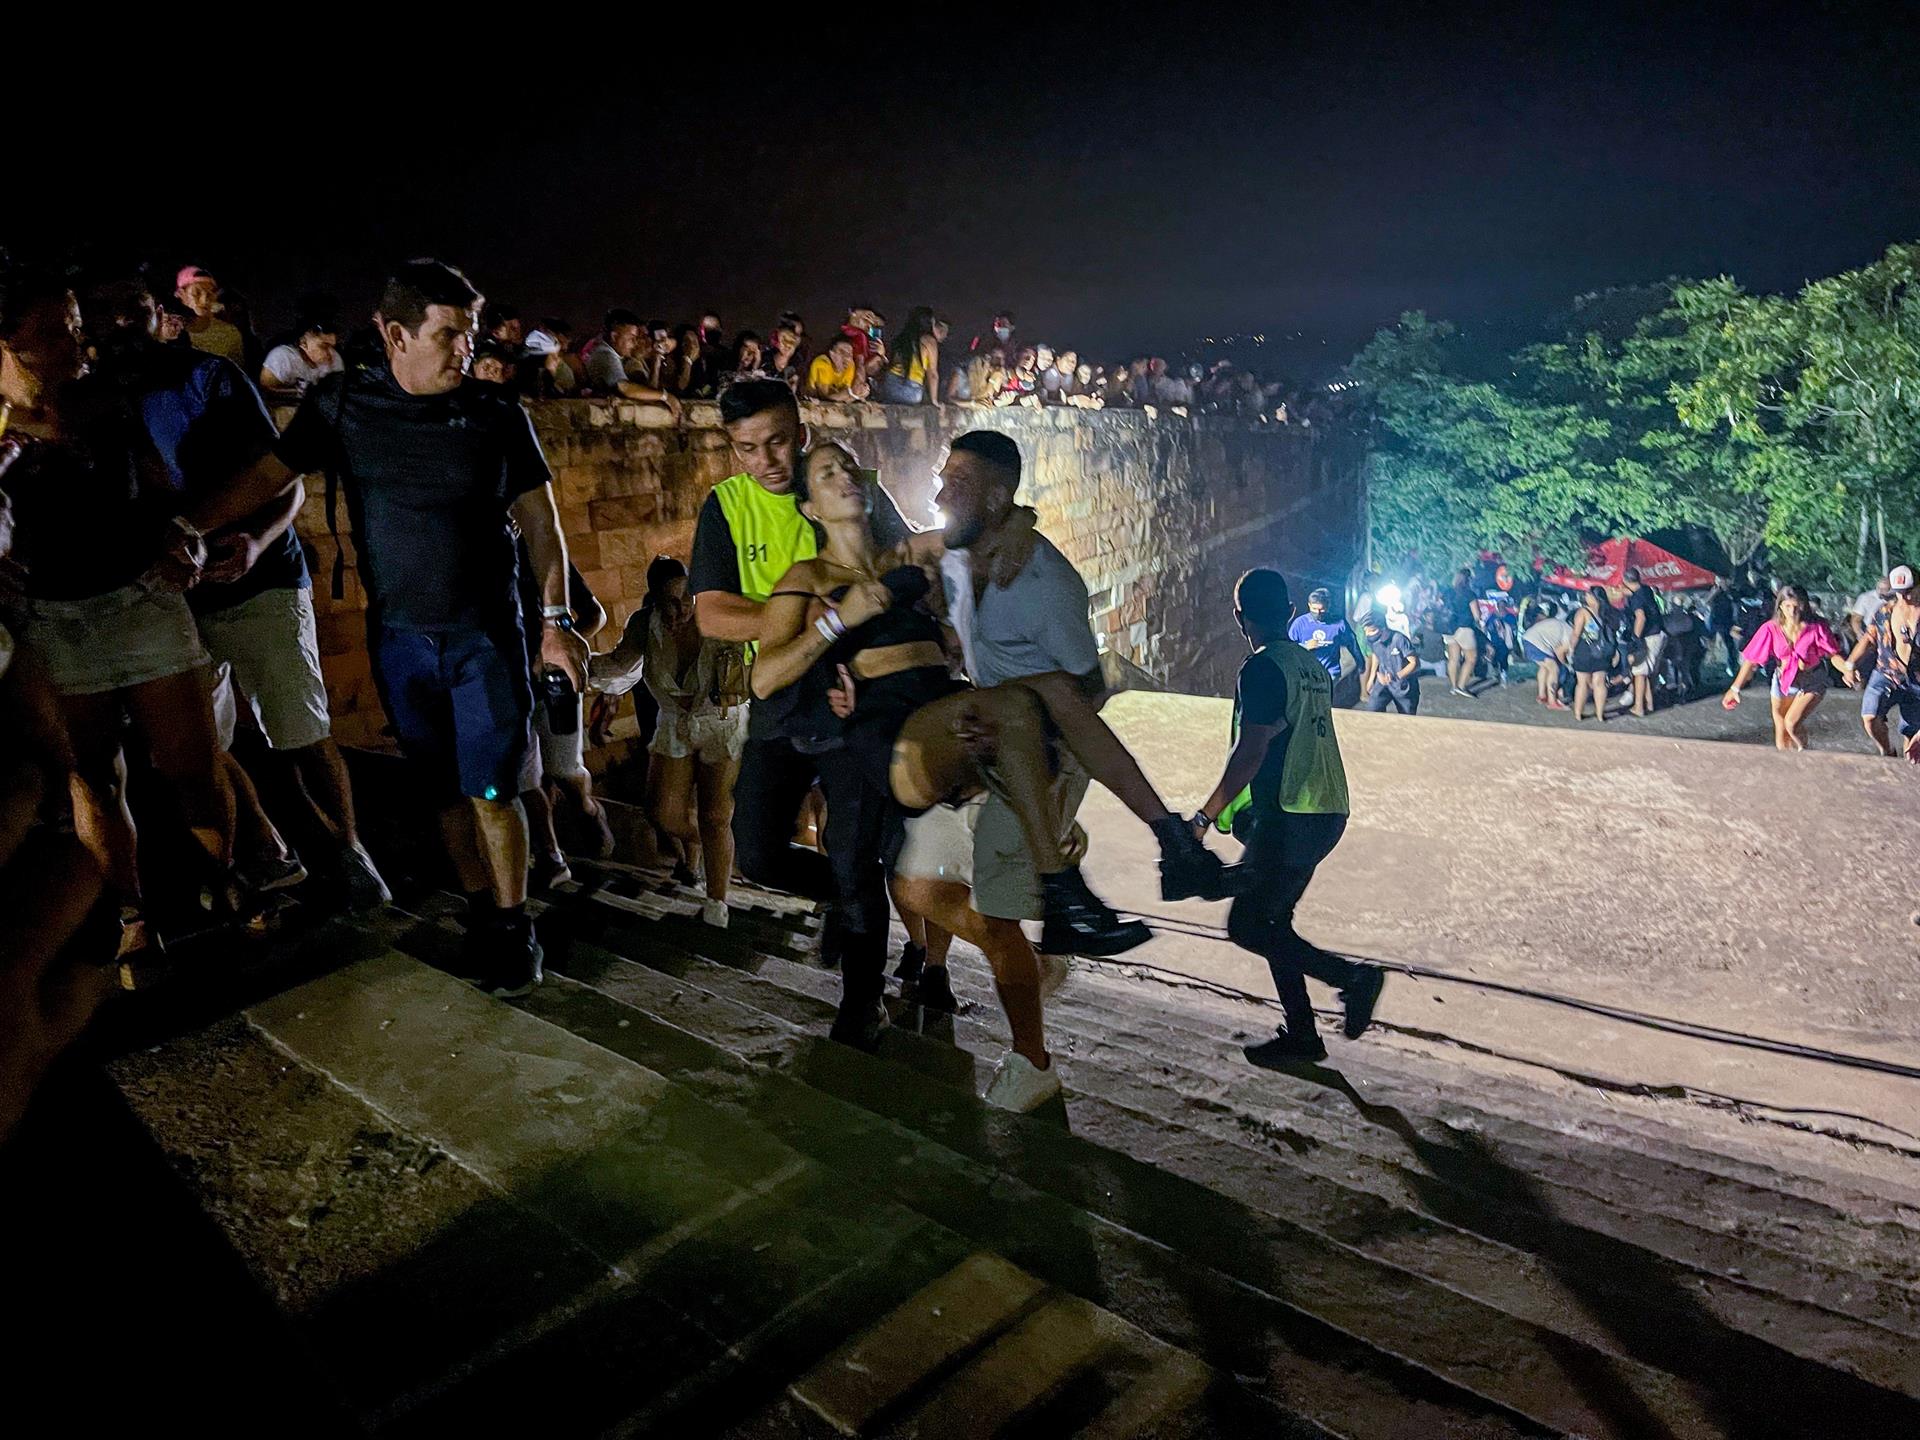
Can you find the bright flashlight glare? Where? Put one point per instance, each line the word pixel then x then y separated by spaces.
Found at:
pixel 1389 597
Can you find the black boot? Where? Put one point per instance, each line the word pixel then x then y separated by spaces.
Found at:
pixel 1287 1048
pixel 517 957
pixel 913 960
pixel 1079 922
pixel 863 980
pixel 1359 996
pixel 1188 870
pixel 935 990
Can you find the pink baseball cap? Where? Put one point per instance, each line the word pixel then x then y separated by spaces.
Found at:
pixel 188 274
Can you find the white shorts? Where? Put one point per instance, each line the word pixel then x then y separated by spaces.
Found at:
pixel 271 647
pixel 1465 638
pixel 115 641
pixel 711 736
pixel 1646 661
pixel 939 843
pixel 561 754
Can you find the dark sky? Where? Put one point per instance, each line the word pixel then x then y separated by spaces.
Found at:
pixel 1124 177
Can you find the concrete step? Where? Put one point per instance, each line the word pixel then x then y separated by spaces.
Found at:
pixel 1799 1200
pixel 1438 1171
pixel 599 1249
pixel 1345 1288
pixel 1526 1259
pixel 1275 1348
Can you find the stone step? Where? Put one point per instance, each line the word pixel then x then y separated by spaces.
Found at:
pixel 1803 1198
pixel 1452 1334
pixel 1519 1258
pixel 686 1264
pixel 1332 1377
pixel 1450 1182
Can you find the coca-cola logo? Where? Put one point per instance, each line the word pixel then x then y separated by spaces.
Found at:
pixel 1662 570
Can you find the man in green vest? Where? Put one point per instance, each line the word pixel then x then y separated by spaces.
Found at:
pixel 1287 758
pixel 748 534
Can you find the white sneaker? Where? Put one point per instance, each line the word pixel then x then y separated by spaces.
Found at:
pixel 1020 1086
pixel 1053 974
pixel 714 912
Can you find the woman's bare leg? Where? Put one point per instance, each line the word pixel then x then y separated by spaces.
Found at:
pixel 175 716
pixel 1093 743
pixel 1780 740
pixel 1797 713
pixel 670 793
pixel 99 789
pixel 1016 971
pixel 939 748
pixel 714 784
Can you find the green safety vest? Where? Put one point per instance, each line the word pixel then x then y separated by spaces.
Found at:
pixel 769 536
pixel 1312 779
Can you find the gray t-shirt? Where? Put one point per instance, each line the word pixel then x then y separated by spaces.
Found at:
pixel 1033 626
pixel 605 370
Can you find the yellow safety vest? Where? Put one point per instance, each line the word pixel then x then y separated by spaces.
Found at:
pixel 1313 781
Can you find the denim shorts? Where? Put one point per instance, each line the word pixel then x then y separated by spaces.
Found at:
pixel 460 701
pixel 126 637
pixel 1884 693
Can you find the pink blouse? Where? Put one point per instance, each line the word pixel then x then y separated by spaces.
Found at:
pixel 1770 642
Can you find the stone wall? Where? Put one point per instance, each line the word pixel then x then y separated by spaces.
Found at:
pixel 1159 511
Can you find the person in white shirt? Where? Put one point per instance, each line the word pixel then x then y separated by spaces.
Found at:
pixel 289 369
pixel 1546 642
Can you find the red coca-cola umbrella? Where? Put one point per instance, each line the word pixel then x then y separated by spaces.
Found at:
pixel 1607 564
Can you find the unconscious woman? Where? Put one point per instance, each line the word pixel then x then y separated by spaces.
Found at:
pixel 1799 642
pixel 1591 651
pixel 855 620
pixel 700 687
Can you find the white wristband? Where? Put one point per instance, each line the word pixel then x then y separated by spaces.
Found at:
pixel 826 630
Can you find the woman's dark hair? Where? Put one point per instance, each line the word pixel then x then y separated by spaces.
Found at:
pixel 420 283
pixel 24 291
pixel 906 344
pixel 662 571
pixel 1598 595
pixel 1809 612
pixel 740 343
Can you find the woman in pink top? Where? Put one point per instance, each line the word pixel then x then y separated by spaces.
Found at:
pixel 1798 640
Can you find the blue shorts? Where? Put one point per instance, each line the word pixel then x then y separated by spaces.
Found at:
pixel 1884 693
pixel 459 701
pixel 1534 653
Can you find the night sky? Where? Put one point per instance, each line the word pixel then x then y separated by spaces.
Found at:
pixel 1128 178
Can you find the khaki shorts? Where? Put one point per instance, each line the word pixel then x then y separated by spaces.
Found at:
pixel 1006 885
pixel 939 843
pixel 711 736
pixel 1646 655
pixel 271 648
pixel 115 641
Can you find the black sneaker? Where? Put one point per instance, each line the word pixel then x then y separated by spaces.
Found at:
pixel 1286 1050
pixel 1079 922
pixel 269 873
pixel 1359 998
pixel 913 960
pixel 516 956
pixel 859 1023
pixel 935 991
pixel 1188 870
pixel 364 887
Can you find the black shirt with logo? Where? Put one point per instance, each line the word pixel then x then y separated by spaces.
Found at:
pixel 428 480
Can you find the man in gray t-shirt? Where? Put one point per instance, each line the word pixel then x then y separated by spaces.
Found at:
pixel 1034 624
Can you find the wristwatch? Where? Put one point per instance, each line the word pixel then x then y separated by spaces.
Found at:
pixel 557 616
pixel 1201 819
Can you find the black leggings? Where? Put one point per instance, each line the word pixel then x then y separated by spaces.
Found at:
pixel 773 784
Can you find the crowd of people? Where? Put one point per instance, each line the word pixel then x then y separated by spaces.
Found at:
pixel 1588 649
pixel 936 694
pixel 918 362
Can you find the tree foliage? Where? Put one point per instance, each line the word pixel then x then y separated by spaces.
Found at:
pixel 1773 421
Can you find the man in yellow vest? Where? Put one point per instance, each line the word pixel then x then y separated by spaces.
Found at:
pixel 1287 758
pixel 748 534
